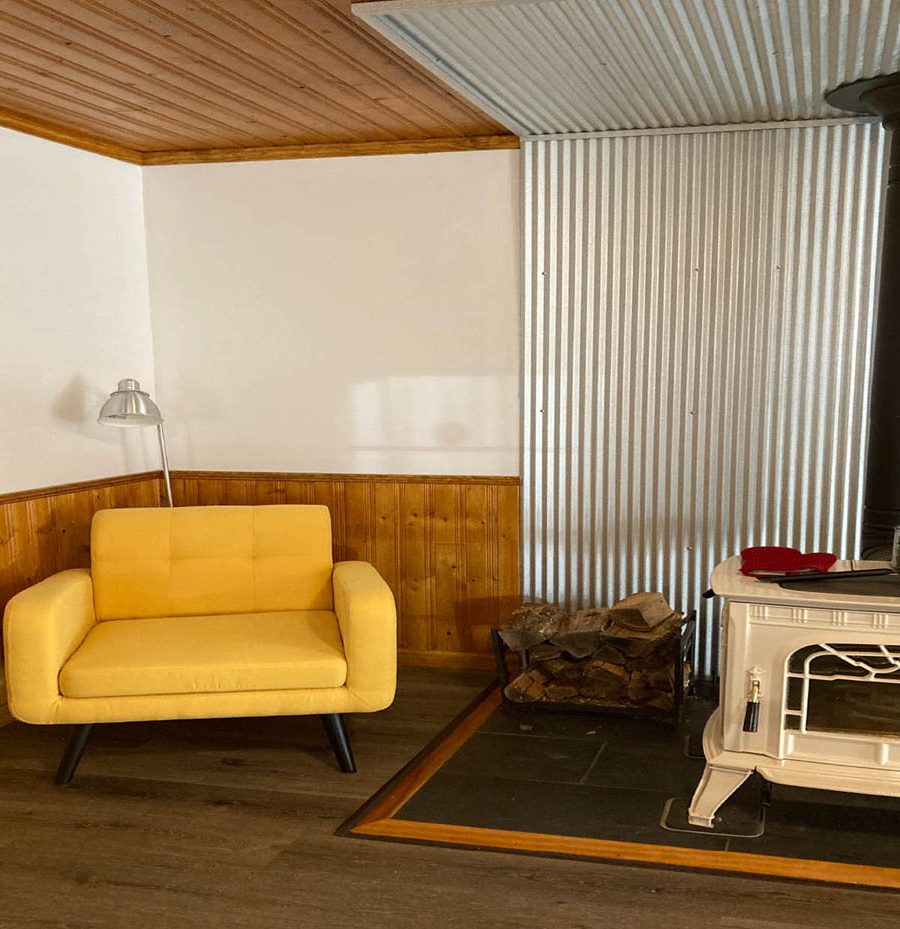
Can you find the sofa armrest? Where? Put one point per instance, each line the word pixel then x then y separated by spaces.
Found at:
pixel 42 627
pixel 368 619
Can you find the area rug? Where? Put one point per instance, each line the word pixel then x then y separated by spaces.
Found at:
pixel 617 789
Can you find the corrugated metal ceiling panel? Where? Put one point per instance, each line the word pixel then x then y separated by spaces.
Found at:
pixel 556 66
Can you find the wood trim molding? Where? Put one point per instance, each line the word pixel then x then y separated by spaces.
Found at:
pixel 87 143
pixel 457 661
pixel 98 146
pixel 506 480
pixel 332 150
pixel 18 496
pixel 414 777
pixel 100 483
pixel 378 820
pixel 633 852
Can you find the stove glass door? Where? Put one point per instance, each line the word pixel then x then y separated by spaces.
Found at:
pixel 844 688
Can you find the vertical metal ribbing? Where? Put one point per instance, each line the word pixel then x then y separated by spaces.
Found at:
pixel 529 355
pixel 551 66
pixel 698 324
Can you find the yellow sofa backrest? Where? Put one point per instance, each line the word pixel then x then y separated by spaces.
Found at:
pixel 195 560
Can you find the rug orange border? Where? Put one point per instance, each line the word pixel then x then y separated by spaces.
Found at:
pixel 378 819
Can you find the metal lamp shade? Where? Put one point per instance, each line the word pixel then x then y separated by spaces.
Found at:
pixel 129 406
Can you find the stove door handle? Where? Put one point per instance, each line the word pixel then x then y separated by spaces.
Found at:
pixel 751 714
pixel 751 717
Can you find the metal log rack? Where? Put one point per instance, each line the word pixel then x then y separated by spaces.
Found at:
pixel 687 636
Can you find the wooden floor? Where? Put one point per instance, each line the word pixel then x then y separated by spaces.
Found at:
pixel 230 823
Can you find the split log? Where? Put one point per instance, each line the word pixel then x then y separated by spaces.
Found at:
pixel 596 667
pixel 609 653
pixel 573 672
pixel 608 688
pixel 661 678
pixel 557 668
pixel 598 657
pixel 638 690
pixel 661 701
pixel 543 652
pixel 562 693
pixel 532 625
pixel 581 633
pixel 642 611
pixel 528 687
pixel 635 643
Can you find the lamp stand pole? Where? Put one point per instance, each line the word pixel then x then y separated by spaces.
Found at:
pixel 165 463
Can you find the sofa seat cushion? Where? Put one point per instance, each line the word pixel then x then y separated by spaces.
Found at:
pixel 207 654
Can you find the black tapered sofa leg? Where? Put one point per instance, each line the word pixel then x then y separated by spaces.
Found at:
pixel 74 751
pixel 340 744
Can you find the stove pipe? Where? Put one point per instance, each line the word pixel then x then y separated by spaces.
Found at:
pixel 880 96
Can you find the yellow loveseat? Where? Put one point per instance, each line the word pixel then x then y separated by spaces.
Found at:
pixel 201 612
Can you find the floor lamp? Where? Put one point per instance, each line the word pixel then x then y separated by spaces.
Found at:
pixel 130 406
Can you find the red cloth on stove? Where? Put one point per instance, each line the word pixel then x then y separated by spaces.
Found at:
pixel 771 559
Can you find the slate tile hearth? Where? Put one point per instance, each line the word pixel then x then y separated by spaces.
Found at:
pixel 608 777
pixel 625 764
pixel 558 809
pixel 543 759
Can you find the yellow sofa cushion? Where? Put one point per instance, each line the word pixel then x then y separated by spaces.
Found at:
pixel 199 560
pixel 207 654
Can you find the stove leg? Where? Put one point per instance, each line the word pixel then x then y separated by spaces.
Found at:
pixel 715 787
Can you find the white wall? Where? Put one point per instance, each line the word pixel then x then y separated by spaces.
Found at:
pixel 338 315
pixel 74 312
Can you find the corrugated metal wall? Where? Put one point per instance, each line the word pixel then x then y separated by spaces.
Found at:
pixel 698 320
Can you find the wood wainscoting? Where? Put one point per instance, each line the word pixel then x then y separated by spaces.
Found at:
pixel 48 530
pixel 448 546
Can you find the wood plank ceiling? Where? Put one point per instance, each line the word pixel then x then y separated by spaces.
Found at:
pixel 169 81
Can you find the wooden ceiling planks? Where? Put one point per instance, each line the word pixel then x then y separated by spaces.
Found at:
pixel 169 81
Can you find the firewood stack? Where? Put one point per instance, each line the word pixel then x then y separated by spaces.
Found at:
pixel 618 656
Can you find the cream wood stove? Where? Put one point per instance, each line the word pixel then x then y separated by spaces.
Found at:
pixel 824 669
